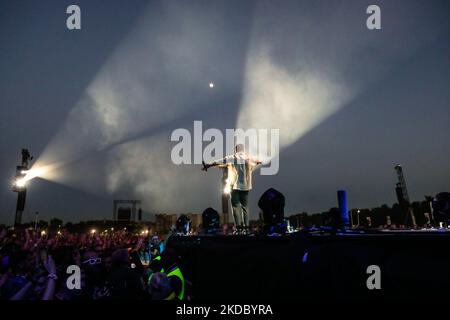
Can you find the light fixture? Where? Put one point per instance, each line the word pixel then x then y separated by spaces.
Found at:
pixel 20 183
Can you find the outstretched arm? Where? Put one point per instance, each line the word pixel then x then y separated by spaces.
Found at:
pixel 206 166
pixel 217 163
pixel 51 281
pixel 255 162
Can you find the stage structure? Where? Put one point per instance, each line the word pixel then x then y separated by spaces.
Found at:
pixel 127 212
pixel 20 186
pixel 403 197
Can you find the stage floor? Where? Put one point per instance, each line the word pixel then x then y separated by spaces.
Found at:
pixel 413 264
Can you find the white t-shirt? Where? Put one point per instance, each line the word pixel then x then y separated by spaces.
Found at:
pixel 240 168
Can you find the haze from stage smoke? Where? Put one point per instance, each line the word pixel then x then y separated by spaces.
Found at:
pixel 291 68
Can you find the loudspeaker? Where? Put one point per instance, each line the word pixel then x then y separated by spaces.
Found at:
pixel 272 205
pixel 210 220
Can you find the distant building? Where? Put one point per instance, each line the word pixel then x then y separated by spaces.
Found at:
pixel 164 223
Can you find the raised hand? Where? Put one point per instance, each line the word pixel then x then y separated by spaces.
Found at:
pixel 3 233
pixel 50 265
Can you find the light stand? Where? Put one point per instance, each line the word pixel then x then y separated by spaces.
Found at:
pixel 20 186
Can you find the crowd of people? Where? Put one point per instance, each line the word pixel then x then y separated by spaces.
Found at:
pixel 36 265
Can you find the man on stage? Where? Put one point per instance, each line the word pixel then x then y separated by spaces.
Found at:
pixel 240 167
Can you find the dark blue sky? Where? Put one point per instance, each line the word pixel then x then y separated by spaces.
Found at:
pixel 398 112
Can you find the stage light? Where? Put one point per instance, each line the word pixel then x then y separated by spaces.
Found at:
pixel 210 220
pixel 93 231
pixel 43 233
pixel 183 225
pixel 272 204
pixel 21 183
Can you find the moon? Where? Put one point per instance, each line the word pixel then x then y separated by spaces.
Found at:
pixel 211 85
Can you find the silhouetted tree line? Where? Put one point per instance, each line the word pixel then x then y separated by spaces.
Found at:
pixel 383 216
